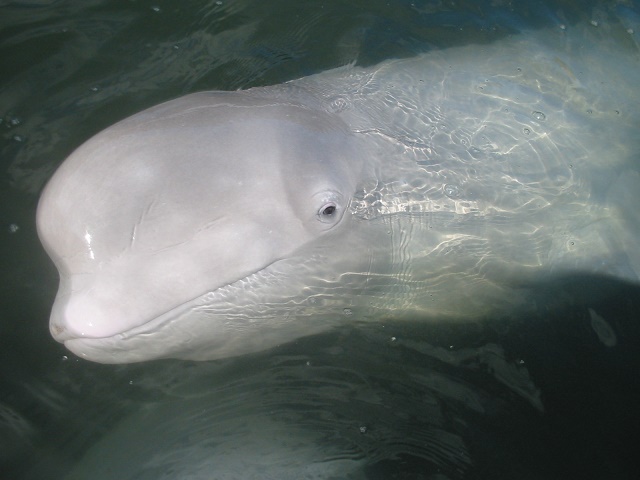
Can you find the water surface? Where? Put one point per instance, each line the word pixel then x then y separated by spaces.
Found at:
pixel 553 395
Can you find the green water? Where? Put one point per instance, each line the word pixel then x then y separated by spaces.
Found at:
pixel 539 399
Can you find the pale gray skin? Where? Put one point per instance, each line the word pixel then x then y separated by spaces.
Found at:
pixel 436 187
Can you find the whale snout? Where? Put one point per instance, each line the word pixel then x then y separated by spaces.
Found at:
pixel 92 306
pixel 82 315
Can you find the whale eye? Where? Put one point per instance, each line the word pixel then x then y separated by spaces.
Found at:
pixel 328 212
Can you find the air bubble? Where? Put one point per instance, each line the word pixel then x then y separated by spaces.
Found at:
pixel 338 105
pixel 526 131
pixel 451 191
pixel 538 116
pixel 475 152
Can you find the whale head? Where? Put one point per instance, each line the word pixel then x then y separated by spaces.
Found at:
pixel 181 201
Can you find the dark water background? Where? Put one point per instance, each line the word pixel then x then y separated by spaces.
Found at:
pixel 554 395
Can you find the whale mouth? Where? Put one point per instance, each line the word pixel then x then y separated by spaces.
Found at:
pixel 147 341
pixel 224 295
pixel 63 332
pixel 218 312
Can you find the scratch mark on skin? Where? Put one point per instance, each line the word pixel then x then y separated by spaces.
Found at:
pixel 136 225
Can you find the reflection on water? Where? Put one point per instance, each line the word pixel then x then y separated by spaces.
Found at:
pixel 553 395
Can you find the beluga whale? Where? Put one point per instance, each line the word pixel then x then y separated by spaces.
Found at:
pixel 433 188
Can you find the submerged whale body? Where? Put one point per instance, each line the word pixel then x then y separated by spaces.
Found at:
pixel 437 187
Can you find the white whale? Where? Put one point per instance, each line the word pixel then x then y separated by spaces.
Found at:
pixel 437 187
